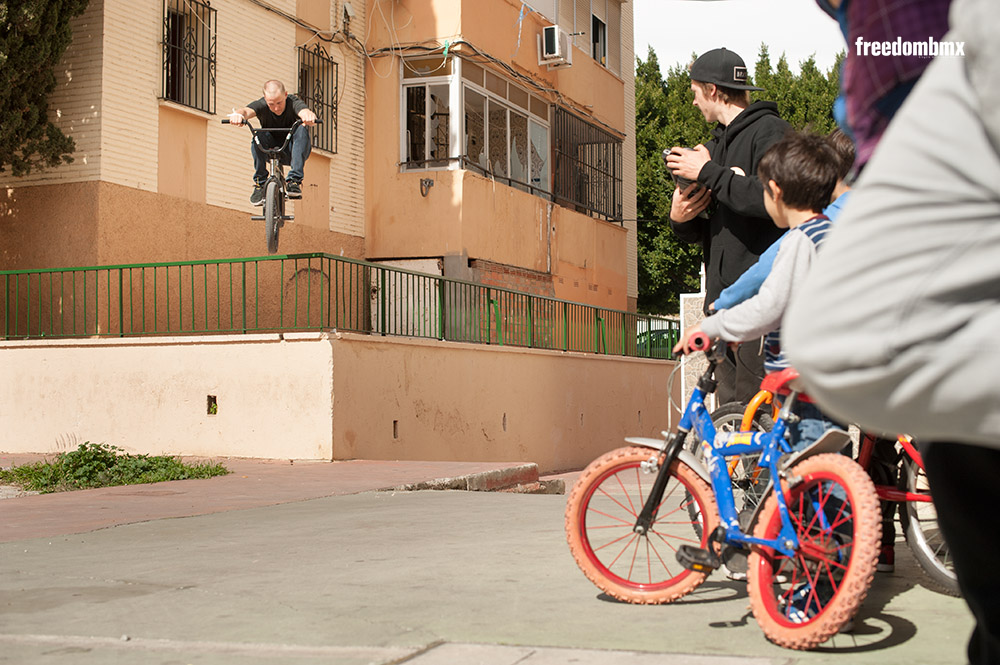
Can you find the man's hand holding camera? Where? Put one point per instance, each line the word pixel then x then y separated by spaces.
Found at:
pixel 688 162
pixel 689 200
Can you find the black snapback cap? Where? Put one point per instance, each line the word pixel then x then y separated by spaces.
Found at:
pixel 721 67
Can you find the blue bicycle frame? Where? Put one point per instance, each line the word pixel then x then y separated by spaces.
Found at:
pixel 771 445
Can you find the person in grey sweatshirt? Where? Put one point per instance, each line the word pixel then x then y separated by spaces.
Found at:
pixel 896 327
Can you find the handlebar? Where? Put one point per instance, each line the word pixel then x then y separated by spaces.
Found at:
pixel 700 342
pixel 256 130
pixel 227 121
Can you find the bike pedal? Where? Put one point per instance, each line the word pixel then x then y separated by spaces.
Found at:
pixel 698 559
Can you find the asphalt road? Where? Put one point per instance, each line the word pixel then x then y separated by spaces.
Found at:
pixel 380 578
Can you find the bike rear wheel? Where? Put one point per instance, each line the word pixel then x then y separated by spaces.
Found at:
pixel 803 600
pixel 601 513
pixel 274 210
pixel 749 480
pixel 919 522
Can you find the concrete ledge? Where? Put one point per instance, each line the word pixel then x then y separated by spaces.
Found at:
pixel 328 396
pixel 485 481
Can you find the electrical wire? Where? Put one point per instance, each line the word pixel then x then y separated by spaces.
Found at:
pixel 396 48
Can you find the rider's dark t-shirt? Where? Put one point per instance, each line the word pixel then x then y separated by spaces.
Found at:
pixel 268 119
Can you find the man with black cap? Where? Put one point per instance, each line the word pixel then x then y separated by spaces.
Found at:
pixel 737 229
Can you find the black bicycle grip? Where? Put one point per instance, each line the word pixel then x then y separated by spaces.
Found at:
pixel 225 121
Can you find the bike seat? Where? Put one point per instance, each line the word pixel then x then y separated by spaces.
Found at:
pixel 778 382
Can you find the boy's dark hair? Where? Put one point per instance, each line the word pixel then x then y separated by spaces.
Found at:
pixel 805 168
pixel 844 147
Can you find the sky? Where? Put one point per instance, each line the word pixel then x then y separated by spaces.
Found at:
pixel 677 28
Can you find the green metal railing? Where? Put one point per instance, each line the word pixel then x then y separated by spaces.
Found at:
pixel 311 292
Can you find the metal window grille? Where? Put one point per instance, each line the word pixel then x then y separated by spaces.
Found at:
pixel 588 167
pixel 318 81
pixel 189 60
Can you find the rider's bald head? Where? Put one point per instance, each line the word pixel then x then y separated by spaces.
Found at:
pixel 275 96
pixel 274 88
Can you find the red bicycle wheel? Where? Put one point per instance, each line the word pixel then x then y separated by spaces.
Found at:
pixel 803 600
pixel 600 517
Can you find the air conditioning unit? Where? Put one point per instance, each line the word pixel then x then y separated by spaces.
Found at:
pixel 554 47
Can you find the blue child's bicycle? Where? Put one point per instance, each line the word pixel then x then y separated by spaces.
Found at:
pixel 643 522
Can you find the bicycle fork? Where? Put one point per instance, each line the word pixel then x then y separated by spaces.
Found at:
pixel 670 450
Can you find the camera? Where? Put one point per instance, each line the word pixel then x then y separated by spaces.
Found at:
pixel 680 182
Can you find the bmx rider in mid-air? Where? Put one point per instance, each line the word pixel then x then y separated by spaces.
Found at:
pixel 278 109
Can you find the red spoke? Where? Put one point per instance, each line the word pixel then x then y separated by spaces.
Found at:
pixel 627 494
pixel 631 566
pixel 610 517
pixel 629 510
pixel 609 526
pixel 627 545
pixel 680 538
pixel 629 535
pixel 660 558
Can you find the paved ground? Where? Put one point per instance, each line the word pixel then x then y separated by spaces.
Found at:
pixel 282 563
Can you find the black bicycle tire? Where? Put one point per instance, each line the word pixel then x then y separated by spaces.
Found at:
pixel 272 214
pixel 928 557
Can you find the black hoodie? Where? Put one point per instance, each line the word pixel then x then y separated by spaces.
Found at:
pixel 738 229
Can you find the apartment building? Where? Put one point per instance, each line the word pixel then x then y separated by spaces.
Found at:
pixel 486 140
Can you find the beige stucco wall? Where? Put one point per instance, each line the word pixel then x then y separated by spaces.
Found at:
pixel 327 396
pixel 150 395
pixel 414 399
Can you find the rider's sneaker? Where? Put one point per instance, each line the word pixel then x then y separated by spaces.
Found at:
pixel 804 604
pixel 293 189
pixel 257 197
pixel 886 559
pixel 798 610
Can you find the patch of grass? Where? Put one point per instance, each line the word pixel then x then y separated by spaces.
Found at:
pixel 103 465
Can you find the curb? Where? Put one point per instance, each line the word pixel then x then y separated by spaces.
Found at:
pixel 497 480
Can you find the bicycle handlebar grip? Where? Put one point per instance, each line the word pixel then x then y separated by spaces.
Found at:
pixel 699 342
pixel 225 121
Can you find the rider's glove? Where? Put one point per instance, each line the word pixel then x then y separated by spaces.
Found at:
pixel 236 118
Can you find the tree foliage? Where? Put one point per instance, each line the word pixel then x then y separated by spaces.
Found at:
pixel 665 117
pixel 33 36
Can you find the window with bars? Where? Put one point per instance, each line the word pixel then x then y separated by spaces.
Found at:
pixel 588 167
pixel 318 88
pixel 189 60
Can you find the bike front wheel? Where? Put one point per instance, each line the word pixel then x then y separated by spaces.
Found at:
pixel 273 212
pixel 919 521
pixel 600 518
pixel 803 600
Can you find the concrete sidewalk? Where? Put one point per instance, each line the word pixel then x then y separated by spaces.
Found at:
pixel 299 563
pixel 251 484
